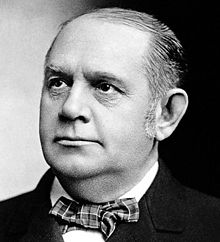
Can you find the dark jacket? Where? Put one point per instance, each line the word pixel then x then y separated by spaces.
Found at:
pixel 168 212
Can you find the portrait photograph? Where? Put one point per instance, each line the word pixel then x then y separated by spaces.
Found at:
pixel 109 120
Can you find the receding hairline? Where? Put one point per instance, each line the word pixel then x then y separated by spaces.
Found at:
pixel 99 16
pixel 132 18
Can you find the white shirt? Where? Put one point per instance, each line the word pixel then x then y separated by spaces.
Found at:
pixel 92 235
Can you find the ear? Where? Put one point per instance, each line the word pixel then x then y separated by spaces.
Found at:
pixel 169 111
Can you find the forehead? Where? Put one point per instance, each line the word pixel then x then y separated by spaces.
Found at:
pixel 92 33
pixel 97 44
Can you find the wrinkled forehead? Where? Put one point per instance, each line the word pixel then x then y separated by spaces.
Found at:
pixel 91 29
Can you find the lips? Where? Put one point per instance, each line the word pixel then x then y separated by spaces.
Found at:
pixel 75 141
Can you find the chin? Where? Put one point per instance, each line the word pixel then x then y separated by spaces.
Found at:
pixel 77 168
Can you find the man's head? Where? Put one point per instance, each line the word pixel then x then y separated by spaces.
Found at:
pixel 109 92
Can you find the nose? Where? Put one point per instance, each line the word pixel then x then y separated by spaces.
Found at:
pixel 76 105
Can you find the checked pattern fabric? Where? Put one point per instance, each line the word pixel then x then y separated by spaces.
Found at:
pixel 103 217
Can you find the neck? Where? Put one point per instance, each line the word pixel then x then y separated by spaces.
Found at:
pixel 107 187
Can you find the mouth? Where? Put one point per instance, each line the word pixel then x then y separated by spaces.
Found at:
pixel 75 141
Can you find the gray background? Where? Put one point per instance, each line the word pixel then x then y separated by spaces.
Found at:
pixel 27 28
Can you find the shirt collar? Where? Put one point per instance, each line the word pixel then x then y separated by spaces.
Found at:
pixel 137 191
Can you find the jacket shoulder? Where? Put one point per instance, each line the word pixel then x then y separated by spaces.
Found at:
pixel 12 206
pixel 14 212
pixel 17 211
pixel 203 207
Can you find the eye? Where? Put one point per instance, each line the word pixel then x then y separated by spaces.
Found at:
pixel 56 83
pixel 105 87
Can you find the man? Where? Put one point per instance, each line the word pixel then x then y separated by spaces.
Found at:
pixel 111 93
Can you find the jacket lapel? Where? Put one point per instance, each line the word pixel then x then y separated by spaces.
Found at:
pixel 167 202
pixel 162 211
pixel 31 221
pixel 43 227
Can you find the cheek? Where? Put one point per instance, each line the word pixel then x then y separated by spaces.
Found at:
pixel 124 130
pixel 128 145
pixel 48 117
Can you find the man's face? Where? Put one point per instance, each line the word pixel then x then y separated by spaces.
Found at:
pixel 94 101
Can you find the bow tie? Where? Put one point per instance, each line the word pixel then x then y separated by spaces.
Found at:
pixel 103 216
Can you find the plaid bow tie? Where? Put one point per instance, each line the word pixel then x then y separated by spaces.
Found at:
pixel 97 216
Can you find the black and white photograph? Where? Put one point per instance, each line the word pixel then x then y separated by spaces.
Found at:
pixel 109 121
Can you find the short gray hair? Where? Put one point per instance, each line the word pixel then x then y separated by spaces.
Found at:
pixel 163 63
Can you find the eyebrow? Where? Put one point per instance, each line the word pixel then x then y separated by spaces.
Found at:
pixel 56 70
pixel 97 75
